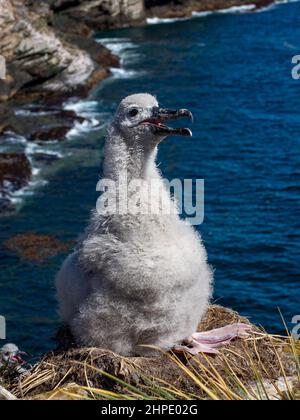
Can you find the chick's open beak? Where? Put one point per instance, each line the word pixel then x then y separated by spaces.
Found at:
pixel 17 358
pixel 161 115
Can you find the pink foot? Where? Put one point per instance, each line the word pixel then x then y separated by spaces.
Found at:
pixel 208 342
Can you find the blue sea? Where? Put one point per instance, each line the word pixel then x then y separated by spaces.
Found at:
pixel 233 71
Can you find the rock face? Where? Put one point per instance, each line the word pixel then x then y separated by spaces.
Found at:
pixel 185 8
pixel 35 55
pixel 50 55
pixel 48 46
pixel 41 59
pixel 5 116
pixel 52 125
pixel 103 14
pixel 15 172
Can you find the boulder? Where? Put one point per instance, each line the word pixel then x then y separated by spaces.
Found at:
pixel 51 125
pixel 15 172
pixel 40 59
pixel 103 14
pixel 49 134
pixel 5 115
pixel 6 205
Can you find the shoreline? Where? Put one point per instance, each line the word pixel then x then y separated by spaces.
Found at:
pixel 196 8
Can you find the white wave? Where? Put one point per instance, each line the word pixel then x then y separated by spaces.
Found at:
pixel 36 171
pixel 85 109
pixel 33 149
pixel 121 73
pixel 128 54
pixel 275 4
pixel 157 20
pixel 230 10
pixel 13 138
pixel 89 111
pixel 117 45
pixel 233 10
pixel 81 106
pixel 238 9
pixel 286 1
pixel 85 127
pixel 30 148
pixel 122 47
pixel 17 197
pixel 202 14
pixel 125 50
pixel 29 113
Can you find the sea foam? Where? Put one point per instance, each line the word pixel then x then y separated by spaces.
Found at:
pixel 127 53
pixel 86 109
pixel 230 10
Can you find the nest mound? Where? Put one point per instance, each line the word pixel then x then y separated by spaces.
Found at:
pixel 238 363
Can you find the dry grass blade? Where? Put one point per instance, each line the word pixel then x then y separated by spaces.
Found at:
pixel 260 367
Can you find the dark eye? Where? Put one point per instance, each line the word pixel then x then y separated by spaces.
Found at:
pixel 133 112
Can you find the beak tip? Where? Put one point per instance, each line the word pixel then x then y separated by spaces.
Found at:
pixel 191 116
pixel 188 114
pixel 187 132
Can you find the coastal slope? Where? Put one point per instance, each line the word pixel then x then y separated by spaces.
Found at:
pixel 51 55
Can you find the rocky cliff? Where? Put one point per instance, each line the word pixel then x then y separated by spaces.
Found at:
pixel 102 14
pixel 48 45
pixel 185 8
pixel 42 54
pixel 51 54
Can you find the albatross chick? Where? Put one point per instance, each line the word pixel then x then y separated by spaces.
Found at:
pixel 139 279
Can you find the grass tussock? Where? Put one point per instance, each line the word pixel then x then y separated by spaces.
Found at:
pixel 258 368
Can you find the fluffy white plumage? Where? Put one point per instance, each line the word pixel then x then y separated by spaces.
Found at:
pixel 135 279
pixel 10 358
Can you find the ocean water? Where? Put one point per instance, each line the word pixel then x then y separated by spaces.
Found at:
pixel 233 70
